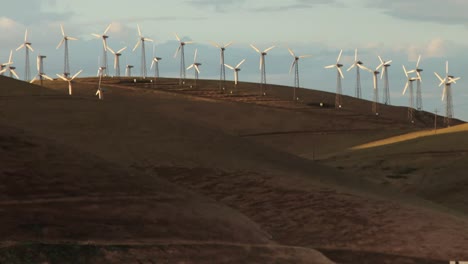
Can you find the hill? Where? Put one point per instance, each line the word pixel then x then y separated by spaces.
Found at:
pixel 230 158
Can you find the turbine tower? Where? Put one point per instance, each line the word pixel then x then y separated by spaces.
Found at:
pixel 447 93
pixel 386 92
pixel 409 84
pixel 40 70
pixel 66 60
pixel 375 102
pixel 104 38
pixel 418 71
pixel 236 73
pixel 181 50
pixel 128 70
pixel 222 72
pixel 27 47
pixel 263 54
pixel 295 65
pixel 339 77
pixel 141 41
pixel 8 67
pixel 196 65
pixel 359 65
pixel 117 60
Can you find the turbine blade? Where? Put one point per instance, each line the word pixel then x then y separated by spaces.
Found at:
pixel 62 77
pixel 107 29
pixel 388 62
pixel 63 31
pixel 383 72
pixel 34 79
pixel 291 52
pixel 139 30
pixel 14 73
pixel 29 47
pixel 330 66
pixel 292 66
pixel 189 42
pixel 177 51
pixel 214 44
pixel 71 38
pixel 111 50
pixel 10 60
pixel 137 44
pixel 26 36
pixel 406 87
pixel 339 56
pixel 240 63
pixel 355 55
pixel 255 48
pixel 341 72
pixel 76 74
pixel 229 66
pixel 148 39
pixel 227 45
pixel 177 37
pixel 96 35
pixel 417 63
pixel 190 67
pixel 20 47
pixel 60 43
pixel 197 69
pixel 195 56
pixel 270 48
pixel 305 56
pixel 381 61
pixel 47 77
pixel 122 49
pixel 438 76
pixel 406 73
pixel 446 67
pixel 152 64
pixel 352 66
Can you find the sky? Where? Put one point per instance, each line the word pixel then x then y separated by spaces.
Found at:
pixel 397 30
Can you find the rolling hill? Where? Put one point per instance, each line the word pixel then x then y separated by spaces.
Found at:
pixel 187 173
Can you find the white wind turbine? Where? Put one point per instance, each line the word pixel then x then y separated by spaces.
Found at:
pixel 447 93
pixel 262 67
pixel 409 84
pixel 236 70
pixel 8 67
pixel 99 91
pixel 339 77
pixel 64 41
pixel 181 50
pixel 155 64
pixel 27 47
pixel 4 66
pixel 69 80
pixel 375 102
pixel 104 38
pixel 40 70
pixel 359 65
pixel 117 60
pixel 384 65
pixel 418 71
pixel 196 65
pixel 141 41
pixel 295 65
pixel 222 72
pixel 128 70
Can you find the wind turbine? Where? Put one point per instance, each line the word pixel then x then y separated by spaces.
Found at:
pixel 236 72
pixel 117 60
pixel 40 70
pixel 222 72
pixel 141 41
pixel 69 80
pixel 155 64
pixel 27 47
pixel 196 65
pixel 8 67
pixel 295 65
pixel 99 91
pixel 339 76
pixel 4 66
pixel 375 74
pixel 64 41
pixel 104 38
pixel 418 71
pixel 181 50
pixel 359 65
pixel 409 84
pixel 262 66
pixel 384 65
pixel 447 93
pixel 128 70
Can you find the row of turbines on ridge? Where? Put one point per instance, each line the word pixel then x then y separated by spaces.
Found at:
pixel 413 75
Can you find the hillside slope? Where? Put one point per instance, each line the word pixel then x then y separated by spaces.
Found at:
pixel 174 136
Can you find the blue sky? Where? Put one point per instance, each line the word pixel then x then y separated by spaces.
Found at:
pixel 398 30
